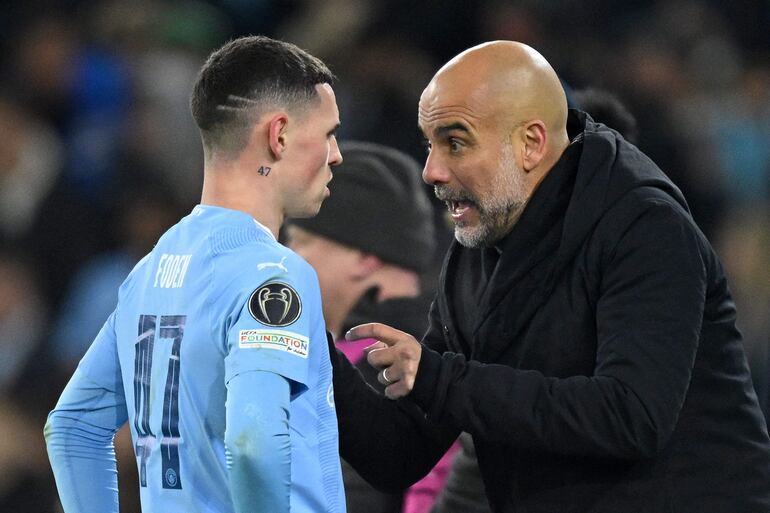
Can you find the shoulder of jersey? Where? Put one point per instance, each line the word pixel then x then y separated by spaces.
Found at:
pixel 278 285
pixel 256 254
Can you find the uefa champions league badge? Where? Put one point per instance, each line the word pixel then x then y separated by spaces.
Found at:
pixel 275 304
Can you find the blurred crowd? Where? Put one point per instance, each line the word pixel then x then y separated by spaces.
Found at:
pixel 99 153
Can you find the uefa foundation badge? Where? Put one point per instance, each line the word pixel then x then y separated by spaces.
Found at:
pixel 279 340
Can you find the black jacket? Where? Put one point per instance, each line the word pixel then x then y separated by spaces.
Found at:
pixel 604 373
pixel 406 314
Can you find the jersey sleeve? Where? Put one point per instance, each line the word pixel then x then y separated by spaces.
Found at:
pixel 258 442
pixel 80 429
pixel 271 324
pixel 101 363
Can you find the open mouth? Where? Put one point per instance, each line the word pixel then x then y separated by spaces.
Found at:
pixel 458 208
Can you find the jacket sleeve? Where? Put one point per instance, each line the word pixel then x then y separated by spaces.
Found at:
pixel 389 443
pixel 648 319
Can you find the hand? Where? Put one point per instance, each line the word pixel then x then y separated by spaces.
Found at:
pixel 396 354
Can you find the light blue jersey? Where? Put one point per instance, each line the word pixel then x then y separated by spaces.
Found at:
pixel 217 298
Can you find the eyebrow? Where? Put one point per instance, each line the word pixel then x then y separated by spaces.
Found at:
pixel 442 130
pixel 333 131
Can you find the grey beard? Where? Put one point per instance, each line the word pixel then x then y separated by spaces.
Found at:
pixel 491 228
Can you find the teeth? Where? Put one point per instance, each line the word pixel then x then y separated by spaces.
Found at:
pixel 459 209
pixel 457 206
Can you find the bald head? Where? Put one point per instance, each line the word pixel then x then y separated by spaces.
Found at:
pixel 505 80
pixel 495 118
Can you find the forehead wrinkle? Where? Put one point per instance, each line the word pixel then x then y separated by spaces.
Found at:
pixel 431 115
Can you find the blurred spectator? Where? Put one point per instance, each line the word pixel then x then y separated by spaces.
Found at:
pixel 43 67
pixel 176 38
pixel 741 136
pixel 82 89
pixel 22 318
pixel 25 481
pixel 37 211
pixel 30 160
pixel 377 217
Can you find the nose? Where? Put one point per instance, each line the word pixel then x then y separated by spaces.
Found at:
pixel 434 171
pixel 335 156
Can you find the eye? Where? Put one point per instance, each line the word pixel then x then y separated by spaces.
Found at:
pixel 454 145
pixel 333 132
pixel 426 145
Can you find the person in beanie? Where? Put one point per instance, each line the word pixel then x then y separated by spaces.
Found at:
pixel 370 244
pixel 373 237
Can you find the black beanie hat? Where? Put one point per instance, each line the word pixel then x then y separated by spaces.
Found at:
pixel 379 205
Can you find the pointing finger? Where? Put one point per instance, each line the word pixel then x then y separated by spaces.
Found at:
pixel 381 332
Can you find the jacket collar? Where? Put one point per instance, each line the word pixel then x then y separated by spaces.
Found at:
pixel 529 248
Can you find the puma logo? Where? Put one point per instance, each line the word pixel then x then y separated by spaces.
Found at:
pixel 279 265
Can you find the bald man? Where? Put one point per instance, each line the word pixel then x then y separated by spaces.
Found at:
pixel 582 333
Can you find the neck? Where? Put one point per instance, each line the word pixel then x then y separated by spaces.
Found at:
pixel 229 186
pixel 337 309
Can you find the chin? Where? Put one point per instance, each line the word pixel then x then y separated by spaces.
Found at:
pixel 309 212
pixel 469 238
pixel 304 214
pixel 476 236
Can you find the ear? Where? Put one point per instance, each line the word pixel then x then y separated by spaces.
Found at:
pixel 366 265
pixel 276 134
pixel 535 137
